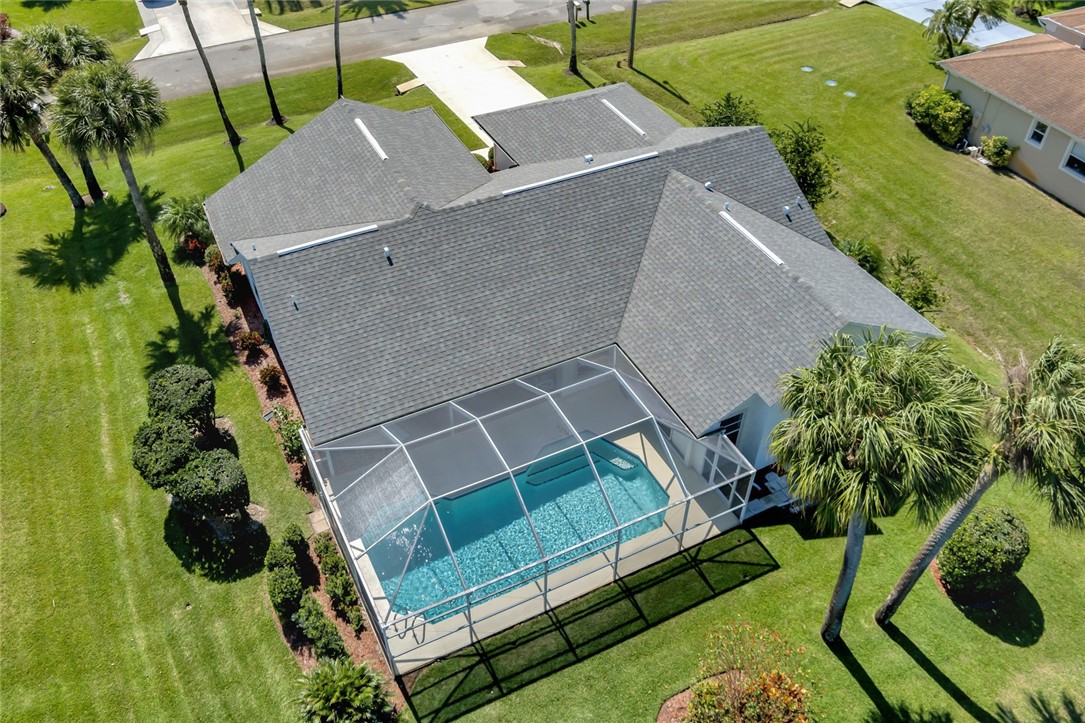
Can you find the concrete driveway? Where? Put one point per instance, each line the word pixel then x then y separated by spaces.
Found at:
pixel 981 37
pixel 217 22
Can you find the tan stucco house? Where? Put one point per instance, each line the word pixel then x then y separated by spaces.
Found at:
pixel 1032 91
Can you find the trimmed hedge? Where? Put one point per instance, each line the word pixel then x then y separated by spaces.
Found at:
pixel 285 590
pixel 985 553
pixel 294 537
pixel 941 113
pixel 324 546
pixel 184 392
pixel 213 483
pixel 160 449
pixel 280 554
pixel 321 632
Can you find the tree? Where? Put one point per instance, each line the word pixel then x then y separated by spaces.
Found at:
pixel 340 690
pixel 570 8
pixel 60 50
pixel 875 424
pixel 914 283
pixel 802 148
pixel 213 484
pixel 23 81
pixel 988 12
pixel 338 59
pixel 106 108
pixel 183 392
pixel 731 110
pixel 231 134
pixel 946 26
pixel 632 32
pixel 276 116
pixel 1038 423
pixel 1034 8
pixel 161 448
pixel 183 218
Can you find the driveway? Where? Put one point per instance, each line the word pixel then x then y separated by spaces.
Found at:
pixel 217 22
pixel 980 36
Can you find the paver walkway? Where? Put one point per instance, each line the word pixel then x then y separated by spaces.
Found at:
pixel 980 36
pixel 469 79
pixel 217 22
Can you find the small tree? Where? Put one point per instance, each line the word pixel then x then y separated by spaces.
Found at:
pixel 212 484
pixel 160 449
pixel 183 218
pixel 802 147
pixel 340 690
pixel 731 110
pixel 913 283
pixel 183 392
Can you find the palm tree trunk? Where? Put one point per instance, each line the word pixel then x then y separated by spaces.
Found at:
pixel 572 31
pixel 632 33
pixel 853 552
pixel 160 258
pixel 93 188
pixel 276 116
pixel 338 60
pixel 938 537
pixel 235 139
pixel 968 28
pixel 61 174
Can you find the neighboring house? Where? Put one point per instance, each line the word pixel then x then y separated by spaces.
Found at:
pixel 520 386
pixel 1032 91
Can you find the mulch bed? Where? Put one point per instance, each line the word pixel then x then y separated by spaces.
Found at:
pixel 241 316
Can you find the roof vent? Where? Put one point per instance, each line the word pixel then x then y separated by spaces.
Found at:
pixel 624 117
pixel 727 207
pixel 798 201
pixel 708 186
pixel 750 237
pixel 787 212
pixel 372 140
pixel 294 303
pixel 388 256
pixel 588 158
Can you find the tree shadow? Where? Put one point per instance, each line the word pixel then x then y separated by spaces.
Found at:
pixel 204 553
pixel 944 681
pixel 196 339
pixel 1042 710
pixel 1014 617
pixel 84 256
pixel 45 5
pixel 664 85
pixel 903 713
pixel 843 653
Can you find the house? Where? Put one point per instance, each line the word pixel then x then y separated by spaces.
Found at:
pixel 1032 91
pixel 520 386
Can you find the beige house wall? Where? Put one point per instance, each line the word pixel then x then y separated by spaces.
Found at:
pixel 1042 165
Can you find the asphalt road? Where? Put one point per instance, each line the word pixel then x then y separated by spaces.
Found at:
pixel 182 74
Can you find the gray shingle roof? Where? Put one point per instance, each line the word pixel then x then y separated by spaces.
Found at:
pixel 327 176
pixel 572 125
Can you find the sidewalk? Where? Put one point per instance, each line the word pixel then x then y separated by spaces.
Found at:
pixel 217 22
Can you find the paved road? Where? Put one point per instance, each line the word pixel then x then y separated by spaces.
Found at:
pixel 181 74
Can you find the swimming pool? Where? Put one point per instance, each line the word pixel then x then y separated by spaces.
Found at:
pixel 491 537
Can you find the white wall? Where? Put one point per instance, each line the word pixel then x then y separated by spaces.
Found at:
pixel 758 419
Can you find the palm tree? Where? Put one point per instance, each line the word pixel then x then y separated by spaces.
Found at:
pixel 989 12
pixel 340 690
pixel 276 116
pixel 106 108
pixel 338 60
pixel 1038 422
pixel 945 27
pixel 23 80
pixel 873 425
pixel 61 49
pixel 235 139
pixel 570 8
pixel 632 32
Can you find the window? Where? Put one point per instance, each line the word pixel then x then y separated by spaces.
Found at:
pixel 730 426
pixel 1037 132
pixel 1075 160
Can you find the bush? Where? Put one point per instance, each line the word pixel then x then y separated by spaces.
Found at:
pixel 341 592
pixel 731 110
pixel 913 283
pixel 213 483
pixel 289 428
pixel 863 252
pixel 941 113
pixel 226 283
pixel 985 552
pixel 324 546
pixel 321 632
pixel 340 690
pixel 749 674
pixel 213 258
pixel 250 341
pixel 280 554
pixel 355 618
pixel 333 565
pixel 183 218
pixel 160 449
pixel 183 392
pixel 997 150
pixel 284 589
pixel 294 536
pixel 271 376
pixel 802 147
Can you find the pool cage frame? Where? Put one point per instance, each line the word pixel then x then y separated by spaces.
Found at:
pixel 387 463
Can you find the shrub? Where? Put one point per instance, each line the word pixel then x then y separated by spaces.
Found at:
pixel 250 341
pixel 226 283
pixel 213 483
pixel 340 690
pixel 294 536
pixel 355 618
pixel 985 552
pixel 184 392
pixel 289 428
pixel 183 218
pixel 341 592
pixel 731 110
pixel 802 147
pixel 749 674
pixel 941 113
pixel 284 589
pixel 997 150
pixel 160 449
pixel 333 564
pixel 280 554
pixel 324 546
pixel 913 283
pixel 213 258
pixel 321 632
pixel 863 252
pixel 271 376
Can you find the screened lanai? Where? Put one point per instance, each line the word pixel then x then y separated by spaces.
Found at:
pixel 476 514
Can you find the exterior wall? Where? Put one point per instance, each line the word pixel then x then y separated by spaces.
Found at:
pixel 502 161
pixel 758 419
pixel 1063 33
pixel 1043 165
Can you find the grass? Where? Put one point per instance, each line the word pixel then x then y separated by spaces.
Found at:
pixel 109 611
pixel 297 14
pixel 1034 25
pixel 116 21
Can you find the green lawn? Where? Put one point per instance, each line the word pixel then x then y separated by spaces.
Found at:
pixel 296 14
pixel 1034 25
pixel 102 619
pixel 115 20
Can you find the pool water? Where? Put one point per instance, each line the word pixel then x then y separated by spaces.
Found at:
pixel 490 536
